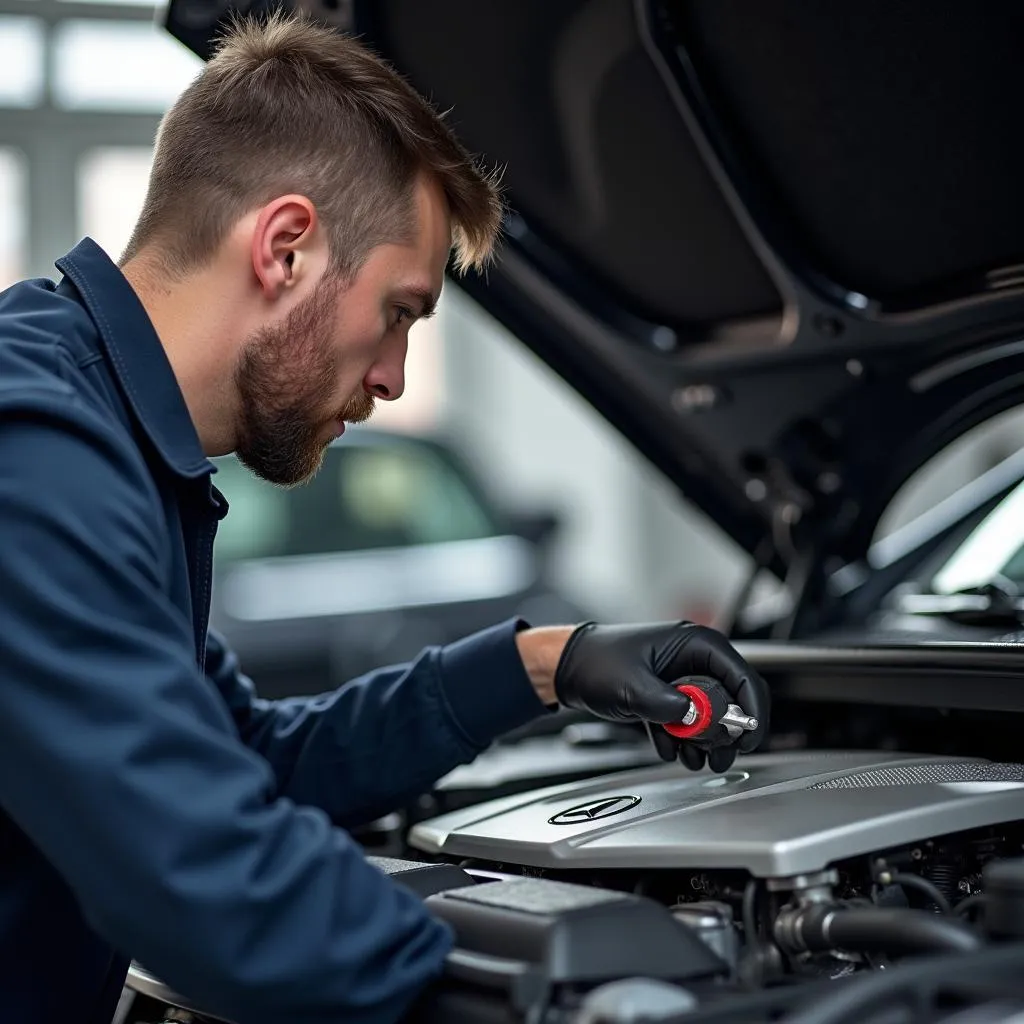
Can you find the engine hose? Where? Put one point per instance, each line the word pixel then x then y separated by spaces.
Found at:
pixel 913 986
pixel 929 888
pixel 967 906
pixel 873 930
pixel 750 910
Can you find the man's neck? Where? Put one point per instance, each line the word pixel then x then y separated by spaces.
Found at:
pixel 198 341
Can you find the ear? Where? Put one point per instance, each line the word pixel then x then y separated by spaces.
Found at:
pixel 283 241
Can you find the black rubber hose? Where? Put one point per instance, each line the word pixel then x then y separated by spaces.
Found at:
pixel 852 1001
pixel 750 911
pixel 930 890
pixel 969 904
pixel 875 930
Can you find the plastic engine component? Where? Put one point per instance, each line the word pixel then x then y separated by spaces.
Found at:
pixel 575 933
pixel 423 879
pixel 1003 886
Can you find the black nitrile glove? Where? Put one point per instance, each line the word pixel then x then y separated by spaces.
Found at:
pixel 622 673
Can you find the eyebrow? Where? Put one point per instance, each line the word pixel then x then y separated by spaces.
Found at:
pixel 428 304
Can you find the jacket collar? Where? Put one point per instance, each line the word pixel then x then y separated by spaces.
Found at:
pixel 136 357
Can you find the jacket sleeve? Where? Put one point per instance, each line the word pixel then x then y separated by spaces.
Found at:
pixel 123 765
pixel 384 738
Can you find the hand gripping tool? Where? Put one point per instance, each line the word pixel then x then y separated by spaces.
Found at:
pixel 709 706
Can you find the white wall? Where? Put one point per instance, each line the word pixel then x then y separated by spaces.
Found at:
pixel 630 550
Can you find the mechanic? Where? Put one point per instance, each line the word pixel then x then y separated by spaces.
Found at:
pixel 302 208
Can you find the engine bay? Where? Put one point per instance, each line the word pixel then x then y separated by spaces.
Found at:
pixel 794 871
pixel 801 887
pixel 836 877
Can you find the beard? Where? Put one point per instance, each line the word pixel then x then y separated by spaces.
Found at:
pixel 285 381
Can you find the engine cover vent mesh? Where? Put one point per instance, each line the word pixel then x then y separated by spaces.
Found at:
pixel 921 774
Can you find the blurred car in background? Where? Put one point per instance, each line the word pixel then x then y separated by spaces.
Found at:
pixel 393 546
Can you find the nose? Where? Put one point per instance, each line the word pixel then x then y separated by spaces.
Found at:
pixel 386 378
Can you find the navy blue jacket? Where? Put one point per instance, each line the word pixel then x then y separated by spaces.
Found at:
pixel 151 807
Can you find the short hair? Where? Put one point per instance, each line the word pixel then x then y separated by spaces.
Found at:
pixel 286 105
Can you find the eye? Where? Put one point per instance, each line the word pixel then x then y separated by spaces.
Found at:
pixel 402 313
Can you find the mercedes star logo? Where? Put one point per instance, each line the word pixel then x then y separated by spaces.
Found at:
pixel 603 808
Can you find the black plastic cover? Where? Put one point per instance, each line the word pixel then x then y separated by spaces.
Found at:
pixel 575 933
pixel 1004 899
pixel 423 879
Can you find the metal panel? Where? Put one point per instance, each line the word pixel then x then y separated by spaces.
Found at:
pixel 770 815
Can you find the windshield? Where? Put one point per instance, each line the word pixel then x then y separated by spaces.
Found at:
pixel 397 493
pixel 994 548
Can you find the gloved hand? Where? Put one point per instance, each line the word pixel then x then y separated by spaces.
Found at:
pixel 622 673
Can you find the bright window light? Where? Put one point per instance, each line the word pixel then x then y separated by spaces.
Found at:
pixel 112 183
pixel 21 61
pixel 12 216
pixel 128 3
pixel 119 65
pixel 987 550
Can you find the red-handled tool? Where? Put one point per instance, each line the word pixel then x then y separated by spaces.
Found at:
pixel 709 706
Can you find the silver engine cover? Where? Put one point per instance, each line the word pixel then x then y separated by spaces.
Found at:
pixel 772 814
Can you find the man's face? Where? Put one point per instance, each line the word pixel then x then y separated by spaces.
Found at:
pixel 341 348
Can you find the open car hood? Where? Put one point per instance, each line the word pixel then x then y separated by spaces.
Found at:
pixel 779 245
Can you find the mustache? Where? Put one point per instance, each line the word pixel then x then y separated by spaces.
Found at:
pixel 359 408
